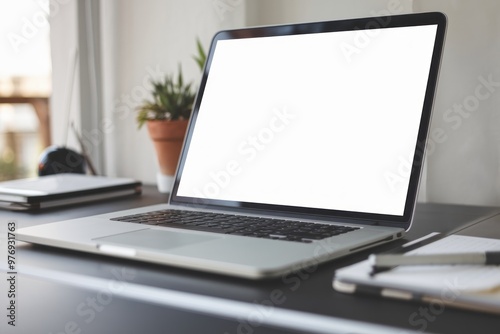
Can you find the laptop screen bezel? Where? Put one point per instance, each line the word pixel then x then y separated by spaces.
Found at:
pixel 382 22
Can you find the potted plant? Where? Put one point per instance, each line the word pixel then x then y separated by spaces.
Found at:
pixel 166 116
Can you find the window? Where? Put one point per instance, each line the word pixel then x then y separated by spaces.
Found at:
pixel 25 74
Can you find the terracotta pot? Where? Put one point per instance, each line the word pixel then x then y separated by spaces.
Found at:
pixel 167 137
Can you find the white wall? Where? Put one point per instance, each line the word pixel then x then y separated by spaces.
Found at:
pixel 464 164
pixel 141 40
pixel 262 12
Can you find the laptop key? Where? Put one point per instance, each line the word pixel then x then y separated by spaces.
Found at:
pixel 145 222
pixel 193 228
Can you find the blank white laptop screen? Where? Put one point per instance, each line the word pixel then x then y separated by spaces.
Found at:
pixel 311 120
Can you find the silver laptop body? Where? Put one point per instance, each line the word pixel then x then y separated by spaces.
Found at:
pixel 318 122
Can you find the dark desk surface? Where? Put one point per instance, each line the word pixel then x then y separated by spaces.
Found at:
pixel 70 292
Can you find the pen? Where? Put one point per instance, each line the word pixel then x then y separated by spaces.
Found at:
pixel 387 261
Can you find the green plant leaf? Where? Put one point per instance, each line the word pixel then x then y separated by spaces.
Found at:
pixel 201 57
pixel 171 100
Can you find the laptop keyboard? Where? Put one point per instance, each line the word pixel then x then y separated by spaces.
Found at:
pixel 257 227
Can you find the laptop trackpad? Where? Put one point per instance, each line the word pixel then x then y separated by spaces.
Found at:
pixel 154 239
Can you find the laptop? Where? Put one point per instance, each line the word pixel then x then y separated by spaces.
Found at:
pixel 305 144
pixel 65 189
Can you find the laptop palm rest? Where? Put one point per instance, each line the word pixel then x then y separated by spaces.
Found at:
pixel 154 239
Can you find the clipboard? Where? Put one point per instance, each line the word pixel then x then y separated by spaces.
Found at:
pixel 470 287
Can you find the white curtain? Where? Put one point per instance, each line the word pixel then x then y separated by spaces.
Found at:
pixel 463 161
